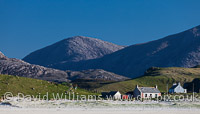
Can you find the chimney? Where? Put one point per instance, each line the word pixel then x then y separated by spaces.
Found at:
pixel 137 86
pixel 156 87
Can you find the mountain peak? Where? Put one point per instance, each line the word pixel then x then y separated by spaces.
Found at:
pixel 72 49
pixel 78 38
pixel 83 38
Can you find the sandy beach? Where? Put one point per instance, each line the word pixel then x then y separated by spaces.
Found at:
pixel 65 111
pixel 97 107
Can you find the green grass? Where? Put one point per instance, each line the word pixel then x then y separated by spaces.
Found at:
pixel 29 86
pixel 155 76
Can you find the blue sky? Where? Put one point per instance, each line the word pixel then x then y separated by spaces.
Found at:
pixel 28 25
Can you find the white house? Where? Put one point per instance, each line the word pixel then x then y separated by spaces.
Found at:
pixel 146 92
pixel 177 88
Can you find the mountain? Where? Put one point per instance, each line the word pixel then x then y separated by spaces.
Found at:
pixel 157 76
pixel 178 50
pixel 72 49
pixel 12 66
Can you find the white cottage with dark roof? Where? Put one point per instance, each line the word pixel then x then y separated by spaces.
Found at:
pixel 146 92
pixel 177 88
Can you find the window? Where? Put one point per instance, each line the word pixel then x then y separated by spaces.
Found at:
pixel 151 95
pixel 156 95
pixel 145 95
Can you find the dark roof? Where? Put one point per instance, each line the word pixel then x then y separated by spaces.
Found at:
pixel 148 90
pixel 174 86
pixel 112 93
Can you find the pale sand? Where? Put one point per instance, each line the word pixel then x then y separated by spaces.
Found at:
pixel 103 107
pixel 63 111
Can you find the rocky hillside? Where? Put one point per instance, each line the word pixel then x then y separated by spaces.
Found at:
pixel 18 67
pixel 178 50
pixel 72 49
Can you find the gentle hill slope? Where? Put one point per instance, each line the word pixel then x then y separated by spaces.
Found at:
pixel 156 76
pixel 29 86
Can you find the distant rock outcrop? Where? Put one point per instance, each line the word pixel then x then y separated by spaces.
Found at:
pixel 72 49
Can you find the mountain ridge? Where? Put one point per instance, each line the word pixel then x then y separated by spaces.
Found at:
pixel 177 50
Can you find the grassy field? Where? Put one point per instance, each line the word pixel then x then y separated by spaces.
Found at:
pixel 155 76
pixel 29 86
